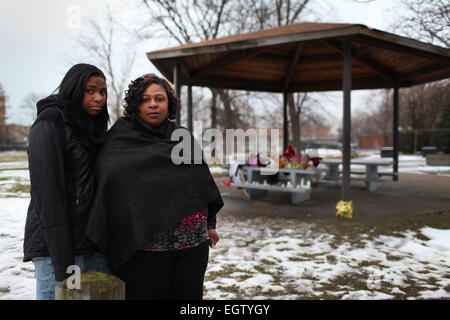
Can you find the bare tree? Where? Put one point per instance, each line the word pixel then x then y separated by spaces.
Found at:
pixel 189 20
pixel 254 15
pixel 428 20
pixel 104 48
pixel 422 105
pixel 264 14
pixel 27 112
pixel 197 20
pixel 442 137
pixel 3 127
pixel 237 111
pixel 277 13
pixel 295 109
pixel 28 106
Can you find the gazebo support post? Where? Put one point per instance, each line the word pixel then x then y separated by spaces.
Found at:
pixel 285 123
pixel 346 138
pixel 395 140
pixel 189 108
pixel 177 84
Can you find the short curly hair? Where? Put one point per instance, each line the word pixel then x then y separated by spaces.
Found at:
pixel 133 96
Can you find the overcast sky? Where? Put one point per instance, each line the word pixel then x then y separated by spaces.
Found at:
pixel 36 38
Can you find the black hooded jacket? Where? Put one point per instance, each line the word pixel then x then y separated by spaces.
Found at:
pixel 61 162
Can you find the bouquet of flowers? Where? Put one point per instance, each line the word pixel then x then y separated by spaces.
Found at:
pixel 290 159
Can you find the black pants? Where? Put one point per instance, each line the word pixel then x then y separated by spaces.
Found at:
pixel 165 275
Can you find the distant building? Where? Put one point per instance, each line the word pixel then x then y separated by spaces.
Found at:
pixel 11 136
pixel 3 134
pixel 371 142
pixel 319 135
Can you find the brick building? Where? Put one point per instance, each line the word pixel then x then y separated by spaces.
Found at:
pixel 11 136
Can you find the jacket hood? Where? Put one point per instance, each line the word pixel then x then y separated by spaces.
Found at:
pixel 50 101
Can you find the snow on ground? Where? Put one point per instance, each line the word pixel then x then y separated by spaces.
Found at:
pixel 16 278
pixel 259 258
pixel 218 170
pixel 267 258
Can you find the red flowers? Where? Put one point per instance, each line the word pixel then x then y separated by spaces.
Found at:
pixel 290 152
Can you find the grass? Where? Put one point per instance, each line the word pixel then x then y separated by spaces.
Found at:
pixel 20 185
pixel 19 156
pixel 4 290
pixel 19 188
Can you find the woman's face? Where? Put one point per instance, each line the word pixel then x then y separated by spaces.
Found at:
pixel 94 98
pixel 155 105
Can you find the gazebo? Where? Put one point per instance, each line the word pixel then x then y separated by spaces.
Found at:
pixel 307 57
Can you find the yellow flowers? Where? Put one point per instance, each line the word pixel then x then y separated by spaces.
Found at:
pixel 344 209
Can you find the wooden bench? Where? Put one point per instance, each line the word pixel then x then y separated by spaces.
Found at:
pixel 256 183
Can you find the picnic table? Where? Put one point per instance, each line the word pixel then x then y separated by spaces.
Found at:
pixel 256 184
pixel 254 180
pixel 372 175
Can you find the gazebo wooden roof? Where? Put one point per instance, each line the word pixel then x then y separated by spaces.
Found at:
pixel 308 57
pixel 305 57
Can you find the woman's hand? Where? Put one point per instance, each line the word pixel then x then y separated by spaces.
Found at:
pixel 213 237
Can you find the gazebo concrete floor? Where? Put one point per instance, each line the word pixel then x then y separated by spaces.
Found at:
pixel 411 195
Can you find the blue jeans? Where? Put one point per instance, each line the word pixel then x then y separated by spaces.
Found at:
pixel 45 273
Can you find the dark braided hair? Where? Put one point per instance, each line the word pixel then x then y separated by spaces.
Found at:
pixel 133 96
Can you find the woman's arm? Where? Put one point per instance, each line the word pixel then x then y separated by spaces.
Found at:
pixel 213 237
pixel 47 176
pixel 213 208
pixel 212 233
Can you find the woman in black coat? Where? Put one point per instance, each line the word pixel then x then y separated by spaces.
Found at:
pixel 153 216
pixel 62 146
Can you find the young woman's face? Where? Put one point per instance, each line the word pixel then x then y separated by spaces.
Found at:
pixel 155 105
pixel 94 98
